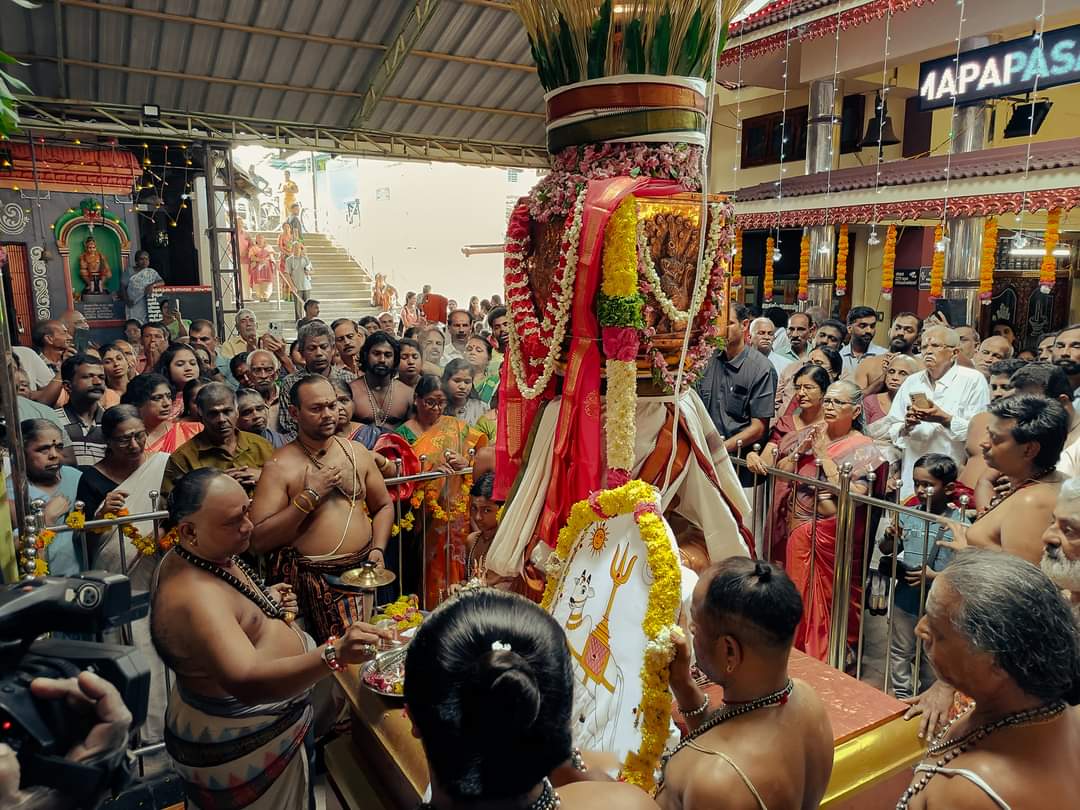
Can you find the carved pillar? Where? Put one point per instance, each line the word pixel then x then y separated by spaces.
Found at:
pixel 822 138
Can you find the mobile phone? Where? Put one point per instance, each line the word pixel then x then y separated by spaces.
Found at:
pixel 274 329
pixel 919 400
pixel 82 340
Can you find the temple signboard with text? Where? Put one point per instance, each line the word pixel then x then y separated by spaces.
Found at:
pixel 1009 68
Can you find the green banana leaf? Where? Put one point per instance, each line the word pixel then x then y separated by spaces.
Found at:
pixel 543 64
pixel 598 39
pixel 634 48
pixel 571 71
pixel 661 43
pixel 690 46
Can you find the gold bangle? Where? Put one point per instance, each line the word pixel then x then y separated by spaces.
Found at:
pixel 302 509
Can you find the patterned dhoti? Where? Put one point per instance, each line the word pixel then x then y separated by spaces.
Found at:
pixel 233 756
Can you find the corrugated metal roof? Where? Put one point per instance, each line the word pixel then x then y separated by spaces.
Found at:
pixel 229 57
pixel 1060 154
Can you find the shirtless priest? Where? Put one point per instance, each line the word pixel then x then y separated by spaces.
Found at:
pixel 239 710
pixel 322 503
pixel 743 621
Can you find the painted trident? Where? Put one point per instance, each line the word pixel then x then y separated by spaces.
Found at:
pixel 597 653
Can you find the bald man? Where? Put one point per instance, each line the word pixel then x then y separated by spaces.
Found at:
pixel 931 410
pixel 990 351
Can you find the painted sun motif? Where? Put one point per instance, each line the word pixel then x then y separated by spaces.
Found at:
pixel 599 539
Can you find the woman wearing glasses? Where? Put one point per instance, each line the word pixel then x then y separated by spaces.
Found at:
pixel 153 396
pixel 445 441
pixel 819 451
pixel 810 384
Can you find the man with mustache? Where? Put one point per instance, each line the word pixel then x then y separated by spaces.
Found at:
pixel 347 337
pixel 84 382
pixel 316 345
pixel 1061 543
pixel 903 339
pixel 322 502
pixel 1066 355
pixel 379 400
pixel 221 444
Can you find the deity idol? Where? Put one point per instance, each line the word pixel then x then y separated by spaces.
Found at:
pixel 93 268
pixel 615 271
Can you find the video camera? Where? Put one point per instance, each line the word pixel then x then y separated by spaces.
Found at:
pixel 41 732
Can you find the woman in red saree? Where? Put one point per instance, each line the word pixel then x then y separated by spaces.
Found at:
pixel 152 394
pixel 442 443
pixel 809 385
pixel 811 546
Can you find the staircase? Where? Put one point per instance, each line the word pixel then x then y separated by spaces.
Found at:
pixel 340 285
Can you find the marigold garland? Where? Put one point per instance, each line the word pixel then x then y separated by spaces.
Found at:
pixel 642 500
pixel 767 292
pixel 75 519
pixel 620 260
pixel 841 261
pixel 937 265
pixel 888 263
pixel 736 261
pixel 987 259
pixel 1048 268
pixel 40 559
pixel 804 266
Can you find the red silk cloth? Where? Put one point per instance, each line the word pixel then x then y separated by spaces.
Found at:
pixel 577 464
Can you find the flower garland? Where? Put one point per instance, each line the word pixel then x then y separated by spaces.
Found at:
pixel 986 262
pixel 649 275
pixel 620 318
pixel 1048 268
pixel 712 333
pixel 937 265
pixel 736 260
pixel 664 597
pixel 35 563
pixel 145 544
pixel 767 293
pixel 429 495
pixel 804 266
pixel 888 263
pixel 408 520
pixel 573 167
pixel 546 335
pixel 841 261
pixel 75 519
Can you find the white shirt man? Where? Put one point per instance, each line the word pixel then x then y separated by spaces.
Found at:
pixel 954 395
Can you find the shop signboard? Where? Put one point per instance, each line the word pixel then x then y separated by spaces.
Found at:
pixel 1009 68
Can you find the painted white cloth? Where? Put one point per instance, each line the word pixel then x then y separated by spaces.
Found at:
pixel 962 392
pixel 699 502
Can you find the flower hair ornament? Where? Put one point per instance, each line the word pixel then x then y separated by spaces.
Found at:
pixel 501 646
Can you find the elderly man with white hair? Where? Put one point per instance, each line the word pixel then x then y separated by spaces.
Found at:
pixel 762 332
pixel 246 337
pixel 931 409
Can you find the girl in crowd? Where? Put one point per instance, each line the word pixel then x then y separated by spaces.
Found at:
pixel 462 401
pixel 819 451
pixel 115 363
pixel 478 355
pixel 152 395
pixel 178 365
pixel 810 384
pixel 410 363
pixel 50 480
pixel 191 390
pixel 474 309
pixel 410 313
pixel 489 689
pixel 445 442
pixel 261 268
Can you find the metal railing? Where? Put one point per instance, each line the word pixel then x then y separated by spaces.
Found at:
pixel 852 572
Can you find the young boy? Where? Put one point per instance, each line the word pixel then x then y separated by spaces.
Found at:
pixel 935 484
pixel 485 515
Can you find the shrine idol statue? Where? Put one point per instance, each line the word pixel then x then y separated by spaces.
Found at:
pixel 93 269
pixel 615 270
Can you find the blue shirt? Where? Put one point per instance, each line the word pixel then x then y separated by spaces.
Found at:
pixel 913 538
pixel 60 554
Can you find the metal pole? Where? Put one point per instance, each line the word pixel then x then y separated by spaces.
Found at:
pixel 449 539
pixel 842 560
pixel 423 547
pixel 890 609
pixel 400 539
pixel 315 191
pixel 10 414
pixel 864 570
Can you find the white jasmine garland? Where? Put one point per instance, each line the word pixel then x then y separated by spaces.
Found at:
pixel 559 307
pixel 651 278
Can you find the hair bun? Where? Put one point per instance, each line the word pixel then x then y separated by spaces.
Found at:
pixel 509 688
pixel 763 571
